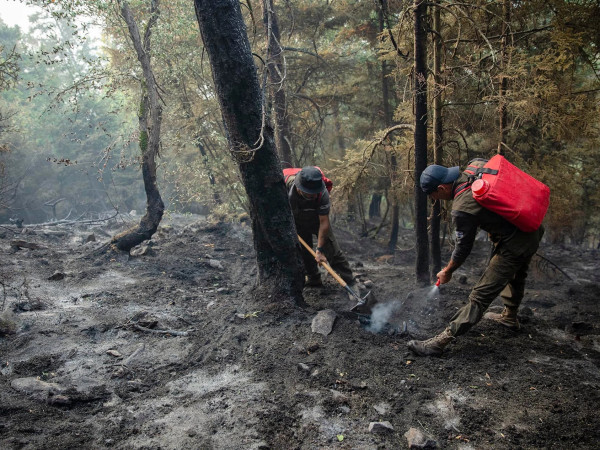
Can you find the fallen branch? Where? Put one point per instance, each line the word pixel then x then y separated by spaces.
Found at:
pixel 71 222
pixel 172 332
pixel 547 262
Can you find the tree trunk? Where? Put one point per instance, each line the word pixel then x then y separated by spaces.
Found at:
pixel 375 206
pixel 209 172
pixel 420 58
pixel 436 258
pixel 502 119
pixel 387 120
pixel 150 119
pixel 280 270
pixel 276 69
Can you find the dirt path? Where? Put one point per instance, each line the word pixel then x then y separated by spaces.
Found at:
pixel 170 350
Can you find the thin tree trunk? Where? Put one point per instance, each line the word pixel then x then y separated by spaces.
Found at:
pixel 420 60
pixel 150 119
pixel 502 119
pixel 387 119
pixel 280 270
pixel 276 70
pixel 436 258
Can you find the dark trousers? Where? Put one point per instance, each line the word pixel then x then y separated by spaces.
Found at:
pixel 504 275
pixel 331 250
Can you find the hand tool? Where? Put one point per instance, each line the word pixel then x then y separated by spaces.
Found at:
pixel 361 300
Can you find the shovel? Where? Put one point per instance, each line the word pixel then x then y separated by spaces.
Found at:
pixel 361 300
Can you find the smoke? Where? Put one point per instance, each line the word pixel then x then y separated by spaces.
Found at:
pixel 381 316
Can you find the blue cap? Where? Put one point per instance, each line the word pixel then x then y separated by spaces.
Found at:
pixel 435 175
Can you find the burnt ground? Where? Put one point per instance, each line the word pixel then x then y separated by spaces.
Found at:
pixel 85 361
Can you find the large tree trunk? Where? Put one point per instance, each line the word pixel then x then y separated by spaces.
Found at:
pixel 276 70
pixel 150 119
pixel 436 258
pixel 420 16
pixel 280 270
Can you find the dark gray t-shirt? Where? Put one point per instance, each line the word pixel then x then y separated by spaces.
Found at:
pixel 307 211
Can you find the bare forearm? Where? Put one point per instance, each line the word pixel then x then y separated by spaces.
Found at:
pixel 451 267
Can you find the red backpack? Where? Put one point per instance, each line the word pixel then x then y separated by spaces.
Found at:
pixel 503 188
pixel 292 171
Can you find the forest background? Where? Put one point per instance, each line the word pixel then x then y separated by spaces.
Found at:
pixel 520 78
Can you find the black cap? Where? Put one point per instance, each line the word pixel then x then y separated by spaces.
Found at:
pixel 435 175
pixel 310 180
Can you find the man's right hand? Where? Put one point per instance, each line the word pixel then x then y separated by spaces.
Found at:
pixel 444 276
pixel 320 257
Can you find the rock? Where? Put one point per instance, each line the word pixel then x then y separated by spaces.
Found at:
pixel 303 367
pixel 56 276
pixel 38 389
pixel 322 323
pixel 90 238
pixel 222 290
pixel 380 427
pixel 382 408
pixel 311 348
pixel 462 279
pixel 215 264
pixel 59 400
pixel 114 353
pixel 339 397
pixel 416 439
pixel 368 284
pixel 140 250
pixel 8 325
pixel 29 305
pixel 17 244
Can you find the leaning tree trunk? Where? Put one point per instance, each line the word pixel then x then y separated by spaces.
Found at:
pixel 280 270
pixel 150 118
pixel 276 70
pixel 420 56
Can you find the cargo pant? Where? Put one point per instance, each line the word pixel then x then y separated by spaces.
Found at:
pixel 331 250
pixel 504 275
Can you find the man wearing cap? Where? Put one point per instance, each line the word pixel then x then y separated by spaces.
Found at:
pixel 506 271
pixel 310 204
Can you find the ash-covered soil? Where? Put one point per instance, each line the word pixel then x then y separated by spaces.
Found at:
pixel 170 349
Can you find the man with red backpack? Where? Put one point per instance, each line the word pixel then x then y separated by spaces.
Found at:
pixel 308 193
pixel 506 271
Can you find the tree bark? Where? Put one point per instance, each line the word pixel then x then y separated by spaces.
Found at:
pixel 420 61
pixel 250 137
pixel 276 70
pixel 149 119
pixel 436 258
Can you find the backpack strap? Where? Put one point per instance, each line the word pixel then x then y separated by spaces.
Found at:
pixel 462 188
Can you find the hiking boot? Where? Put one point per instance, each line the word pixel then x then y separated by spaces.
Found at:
pixel 508 318
pixel 433 346
pixel 313 281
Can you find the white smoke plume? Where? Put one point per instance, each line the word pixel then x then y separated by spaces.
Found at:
pixel 382 315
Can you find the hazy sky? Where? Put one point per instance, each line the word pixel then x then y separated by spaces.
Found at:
pixel 16 13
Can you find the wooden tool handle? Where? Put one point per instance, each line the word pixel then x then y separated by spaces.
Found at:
pixel 327 267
